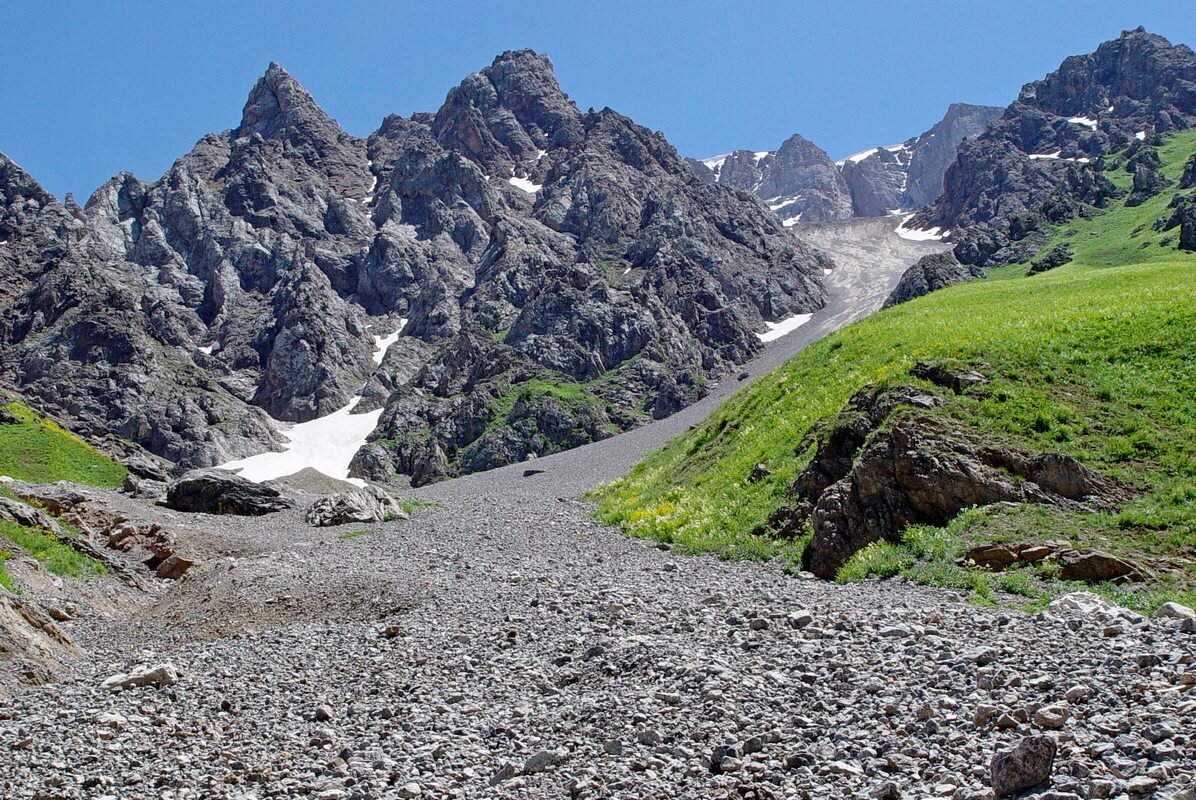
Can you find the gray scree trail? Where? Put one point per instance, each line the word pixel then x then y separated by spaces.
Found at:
pixel 505 645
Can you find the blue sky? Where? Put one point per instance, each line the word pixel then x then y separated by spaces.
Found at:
pixel 89 89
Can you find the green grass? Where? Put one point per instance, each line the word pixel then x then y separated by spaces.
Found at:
pixel 1096 359
pixel 6 580
pixel 37 450
pixel 57 557
pixel 411 506
pixel 357 534
pixel 927 555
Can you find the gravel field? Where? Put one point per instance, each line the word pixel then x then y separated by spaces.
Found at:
pixel 502 644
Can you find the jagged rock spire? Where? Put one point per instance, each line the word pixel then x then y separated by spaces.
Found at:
pixel 278 103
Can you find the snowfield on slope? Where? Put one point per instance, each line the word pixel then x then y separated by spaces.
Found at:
pixel 326 444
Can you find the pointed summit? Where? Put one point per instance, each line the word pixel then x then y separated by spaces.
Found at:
pixel 503 116
pixel 278 103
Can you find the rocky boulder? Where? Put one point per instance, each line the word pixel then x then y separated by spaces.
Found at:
pixel 887 462
pixel 1183 217
pixel 929 274
pixel 213 491
pixel 369 504
pixel 1058 256
pixel 1023 767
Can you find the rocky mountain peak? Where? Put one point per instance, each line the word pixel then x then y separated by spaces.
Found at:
pixel 504 116
pixel 279 104
pixel 1143 72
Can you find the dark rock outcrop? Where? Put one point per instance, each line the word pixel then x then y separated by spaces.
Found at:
pixel 887 462
pixel 1183 217
pixel 1058 256
pixel 1042 162
pixel 214 491
pixel 520 238
pixel 929 274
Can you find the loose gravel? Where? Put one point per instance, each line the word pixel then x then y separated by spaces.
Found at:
pixel 501 644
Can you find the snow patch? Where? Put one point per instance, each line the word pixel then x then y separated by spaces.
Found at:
pixel 827 271
pixel 627 270
pixel 1140 136
pixel 916 235
pixel 206 349
pixel 540 154
pixel 383 343
pixel 1040 156
pixel 716 162
pixel 525 185
pixel 789 223
pixel 760 156
pixel 781 205
pixel 1085 121
pixel 778 329
pixel 327 444
pixel 858 157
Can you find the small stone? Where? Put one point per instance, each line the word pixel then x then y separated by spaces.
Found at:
pixel 1175 611
pixel 799 619
pixel 542 761
pixel 1077 694
pixel 1142 784
pixel 758 624
pixel 886 791
pixel 323 713
pixel 410 790
pixel 59 614
pixel 984 714
pixel 1050 717
pixel 1025 766
pixel 505 773
pixel 613 747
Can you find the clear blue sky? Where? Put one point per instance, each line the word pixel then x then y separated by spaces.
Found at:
pixel 88 88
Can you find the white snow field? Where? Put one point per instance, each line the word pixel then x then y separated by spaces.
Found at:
pixel 326 444
pixel 778 329
pixel 525 185
pixel 915 235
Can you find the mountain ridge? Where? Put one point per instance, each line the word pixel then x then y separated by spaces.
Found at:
pixel 249 282
pixel 801 183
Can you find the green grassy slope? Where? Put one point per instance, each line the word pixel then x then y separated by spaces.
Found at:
pixel 1096 359
pixel 37 450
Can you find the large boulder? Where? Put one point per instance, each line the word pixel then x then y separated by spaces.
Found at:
pixel 1023 767
pixel 215 491
pixel 889 461
pixel 369 504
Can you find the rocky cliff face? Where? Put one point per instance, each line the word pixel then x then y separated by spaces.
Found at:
pixel 801 183
pixel 563 276
pixel 906 177
pixel 1042 162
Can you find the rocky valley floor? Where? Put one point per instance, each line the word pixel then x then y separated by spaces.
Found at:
pixel 500 643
